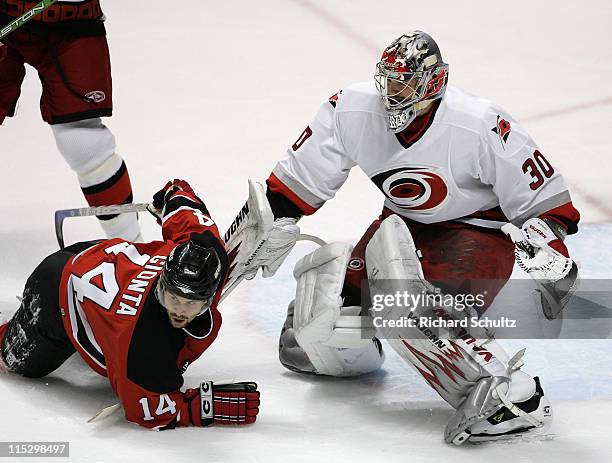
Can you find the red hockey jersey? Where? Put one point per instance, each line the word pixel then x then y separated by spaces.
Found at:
pixel 113 318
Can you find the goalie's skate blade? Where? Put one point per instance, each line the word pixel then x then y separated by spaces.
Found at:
pixel 528 435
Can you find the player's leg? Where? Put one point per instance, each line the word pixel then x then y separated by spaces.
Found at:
pixel 33 343
pixel 77 91
pixel 492 397
pixel 321 335
pixel 12 72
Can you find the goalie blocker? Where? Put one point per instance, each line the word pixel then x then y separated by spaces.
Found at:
pixel 492 397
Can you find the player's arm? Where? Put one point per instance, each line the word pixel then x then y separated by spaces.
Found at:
pixel 314 168
pixel 181 212
pixel 234 403
pixel 150 383
pixel 525 181
pixel 533 195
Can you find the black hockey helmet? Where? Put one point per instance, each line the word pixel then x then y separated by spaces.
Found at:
pixel 194 270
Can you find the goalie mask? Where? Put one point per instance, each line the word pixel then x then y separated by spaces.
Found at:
pixel 192 271
pixel 410 74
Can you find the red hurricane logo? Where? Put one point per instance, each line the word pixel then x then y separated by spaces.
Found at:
pixel 502 129
pixel 414 188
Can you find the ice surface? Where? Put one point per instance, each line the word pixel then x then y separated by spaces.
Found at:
pixel 214 92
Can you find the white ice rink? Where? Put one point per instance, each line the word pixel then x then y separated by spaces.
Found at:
pixel 214 92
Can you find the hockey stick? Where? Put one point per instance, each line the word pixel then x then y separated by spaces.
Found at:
pixel 63 214
pixel 25 17
pixel 301 237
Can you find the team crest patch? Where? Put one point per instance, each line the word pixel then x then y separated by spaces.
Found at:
pixel 96 96
pixel 413 188
pixel 356 264
pixel 502 129
pixel 333 100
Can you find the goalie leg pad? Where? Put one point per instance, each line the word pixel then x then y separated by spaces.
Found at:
pixel 319 328
pixel 475 377
pixel 348 361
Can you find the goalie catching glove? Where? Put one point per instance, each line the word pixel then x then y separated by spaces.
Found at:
pixel 234 403
pixel 541 253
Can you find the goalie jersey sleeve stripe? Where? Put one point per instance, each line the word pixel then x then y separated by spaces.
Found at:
pixel 275 185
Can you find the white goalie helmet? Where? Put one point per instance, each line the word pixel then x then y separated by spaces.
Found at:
pixel 410 74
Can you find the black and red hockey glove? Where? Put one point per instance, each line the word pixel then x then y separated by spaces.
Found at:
pixel 234 403
pixel 165 194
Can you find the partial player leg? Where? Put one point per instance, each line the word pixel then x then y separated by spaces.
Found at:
pixel 12 72
pixel 77 91
pixel 492 397
pixel 89 149
pixel 34 343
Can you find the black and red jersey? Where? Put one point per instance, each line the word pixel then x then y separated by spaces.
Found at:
pixel 112 316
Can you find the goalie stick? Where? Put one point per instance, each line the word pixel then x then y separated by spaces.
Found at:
pixel 244 238
pixel 25 17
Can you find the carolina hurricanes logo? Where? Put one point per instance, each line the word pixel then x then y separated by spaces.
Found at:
pixel 436 83
pixel 413 188
pixel 333 100
pixel 502 129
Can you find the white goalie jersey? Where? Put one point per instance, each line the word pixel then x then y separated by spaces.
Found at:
pixel 465 160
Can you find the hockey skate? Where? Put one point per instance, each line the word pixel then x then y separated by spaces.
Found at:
pixel 520 420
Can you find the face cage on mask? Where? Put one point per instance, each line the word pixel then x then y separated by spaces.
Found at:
pixel 159 295
pixel 402 81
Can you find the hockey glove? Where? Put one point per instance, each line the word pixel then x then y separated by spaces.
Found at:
pixel 277 246
pixel 234 403
pixel 156 208
pixel 3 52
pixel 541 253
